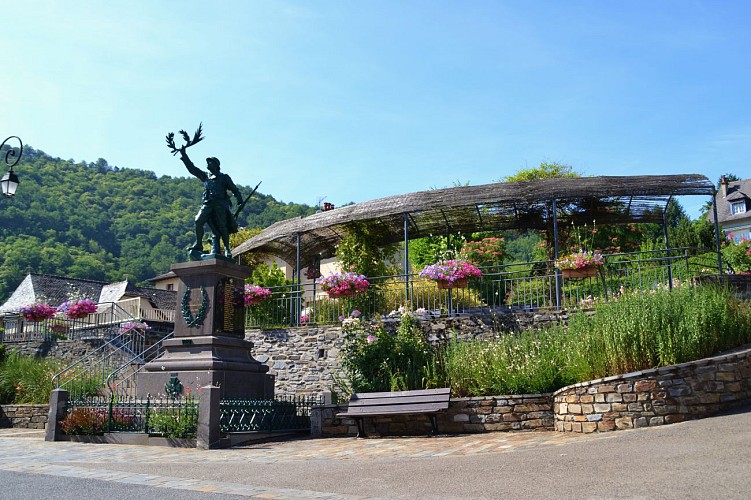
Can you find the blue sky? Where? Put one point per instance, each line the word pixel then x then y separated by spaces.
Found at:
pixel 358 100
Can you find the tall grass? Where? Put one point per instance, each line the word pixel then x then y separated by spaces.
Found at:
pixel 24 379
pixel 638 331
pixel 652 329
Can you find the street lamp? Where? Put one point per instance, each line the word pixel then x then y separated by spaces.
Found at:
pixel 10 182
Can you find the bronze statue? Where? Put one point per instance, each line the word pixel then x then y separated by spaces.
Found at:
pixel 216 204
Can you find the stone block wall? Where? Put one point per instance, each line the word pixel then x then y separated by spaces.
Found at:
pixel 24 416
pixel 655 397
pixel 464 416
pixel 305 359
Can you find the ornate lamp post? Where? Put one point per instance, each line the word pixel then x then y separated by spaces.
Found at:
pixel 10 181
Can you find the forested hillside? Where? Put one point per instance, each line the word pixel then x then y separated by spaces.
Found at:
pixel 91 220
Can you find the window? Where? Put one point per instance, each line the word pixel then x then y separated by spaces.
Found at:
pixel 170 287
pixel 738 207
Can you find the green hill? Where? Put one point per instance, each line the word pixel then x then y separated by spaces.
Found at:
pixel 95 221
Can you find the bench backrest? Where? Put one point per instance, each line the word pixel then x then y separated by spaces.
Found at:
pixel 400 401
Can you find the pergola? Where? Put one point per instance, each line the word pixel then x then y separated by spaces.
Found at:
pixel 541 204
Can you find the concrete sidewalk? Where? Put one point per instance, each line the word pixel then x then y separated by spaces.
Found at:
pixel 709 458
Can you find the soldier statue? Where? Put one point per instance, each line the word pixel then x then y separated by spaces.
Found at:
pixel 215 207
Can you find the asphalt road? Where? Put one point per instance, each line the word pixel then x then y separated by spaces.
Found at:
pixel 703 459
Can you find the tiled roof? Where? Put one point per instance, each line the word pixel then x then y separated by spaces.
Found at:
pixel 736 191
pixel 57 289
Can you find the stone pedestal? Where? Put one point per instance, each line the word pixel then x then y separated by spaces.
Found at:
pixel 208 346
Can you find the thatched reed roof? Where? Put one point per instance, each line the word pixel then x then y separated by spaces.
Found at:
pixel 506 205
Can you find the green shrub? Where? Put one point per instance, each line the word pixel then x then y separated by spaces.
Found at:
pixel 529 362
pixel 637 331
pixel 738 255
pixel 25 379
pixel 376 360
pixel 83 422
pixel 651 329
pixel 174 423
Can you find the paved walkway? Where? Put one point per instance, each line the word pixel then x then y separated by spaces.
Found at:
pixel 691 459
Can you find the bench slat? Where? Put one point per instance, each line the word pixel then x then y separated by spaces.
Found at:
pixel 399 401
pixel 423 392
pixel 391 409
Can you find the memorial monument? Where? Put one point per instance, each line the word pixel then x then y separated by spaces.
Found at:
pixel 208 346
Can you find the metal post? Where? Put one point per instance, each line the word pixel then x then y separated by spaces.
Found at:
pixel 407 297
pixel 558 287
pixel 716 231
pixel 667 244
pixel 298 300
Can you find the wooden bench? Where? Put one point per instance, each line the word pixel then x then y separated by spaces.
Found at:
pixel 373 404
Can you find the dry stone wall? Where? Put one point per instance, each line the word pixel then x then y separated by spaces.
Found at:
pixel 24 416
pixel 655 397
pixel 464 416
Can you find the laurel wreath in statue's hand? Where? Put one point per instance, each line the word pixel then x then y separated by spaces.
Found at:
pixel 188 141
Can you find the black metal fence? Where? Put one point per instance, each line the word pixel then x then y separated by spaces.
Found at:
pixel 174 418
pixel 527 286
pixel 282 414
pixel 178 417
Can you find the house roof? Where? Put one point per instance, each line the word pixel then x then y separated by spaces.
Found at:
pixel 57 289
pixel 736 191
pixel 498 206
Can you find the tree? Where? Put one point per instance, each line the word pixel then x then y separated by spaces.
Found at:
pixel 544 171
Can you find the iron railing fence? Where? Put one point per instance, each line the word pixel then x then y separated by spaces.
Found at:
pixel 281 414
pixel 101 324
pixel 88 374
pixel 168 417
pixel 123 381
pixel 528 286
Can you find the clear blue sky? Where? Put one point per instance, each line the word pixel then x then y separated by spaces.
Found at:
pixel 355 100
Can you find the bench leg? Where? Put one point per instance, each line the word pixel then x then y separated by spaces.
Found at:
pixel 434 423
pixel 360 427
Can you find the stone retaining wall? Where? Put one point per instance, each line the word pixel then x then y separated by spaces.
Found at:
pixel 24 416
pixel 464 416
pixel 655 397
pixel 305 359
pixel 67 351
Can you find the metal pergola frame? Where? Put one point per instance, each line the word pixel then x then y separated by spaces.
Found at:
pixel 538 205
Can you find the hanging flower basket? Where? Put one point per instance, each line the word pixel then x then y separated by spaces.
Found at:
pixel 580 272
pixel 57 326
pixel 451 273
pixel 445 285
pixel 35 313
pixel 581 264
pixel 77 309
pixel 140 327
pixel 255 295
pixel 343 285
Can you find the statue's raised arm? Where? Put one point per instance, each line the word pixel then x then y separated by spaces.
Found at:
pixel 216 205
pixel 191 167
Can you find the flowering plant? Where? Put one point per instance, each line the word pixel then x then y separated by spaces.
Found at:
pixel 486 252
pixel 343 285
pixel 255 294
pixel 37 312
pixel 579 260
pixel 450 271
pixel 75 309
pixel 134 326
pixel 313 272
